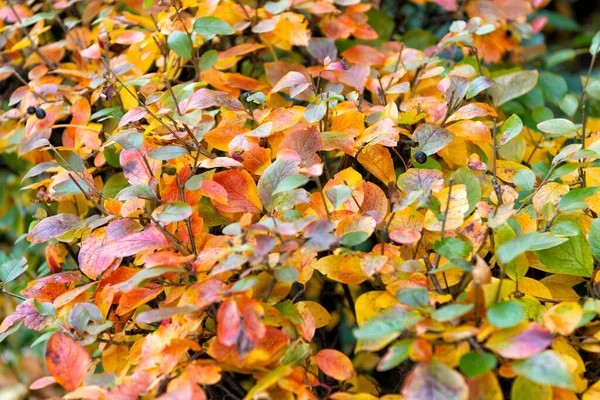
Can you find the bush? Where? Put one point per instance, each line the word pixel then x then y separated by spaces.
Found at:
pixel 312 200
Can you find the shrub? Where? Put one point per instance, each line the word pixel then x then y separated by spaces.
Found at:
pixel 300 200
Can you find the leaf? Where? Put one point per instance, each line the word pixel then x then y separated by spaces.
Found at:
pixel 12 268
pixel 563 318
pixel 172 212
pixel 432 138
pixel 71 161
pixel 572 257
pixel 67 361
pixel 473 365
pixel 315 112
pixel 378 161
pixel 392 320
pixel 241 190
pixel 395 355
pixel 513 85
pixel 530 242
pixel 291 79
pixel 521 341
pixel 53 227
pixel 558 127
pixel 207 60
pixel 290 183
pixel 594 238
pixel 546 368
pixel 434 380
pixel 149 239
pixel 451 311
pixel 335 364
pixel 595 46
pixel 574 196
pixel 168 153
pixel 510 129
pixel 452 248
pixel 210 26
pixel 505 314
pixel 525 178
pixel 524 389
pixel 338 194
pixel 271 178
pixel 413 297
pixel 136 192
pixel 180 43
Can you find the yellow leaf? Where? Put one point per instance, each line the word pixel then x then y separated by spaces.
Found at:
pixel 127 99
pixel 378 161
pixel 458 207
pixel 551 192
pixel 319 313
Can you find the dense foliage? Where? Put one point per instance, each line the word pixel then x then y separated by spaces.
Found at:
pixel 326 199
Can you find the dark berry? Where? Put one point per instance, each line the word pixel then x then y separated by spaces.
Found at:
pixel 31 110
pixel 246 95
pixel 420 157
pixel 40 113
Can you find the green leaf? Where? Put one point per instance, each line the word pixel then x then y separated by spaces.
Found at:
pixel 594 238
pixel 194 182
pixel 525 178
pixel 565 228
pixel 452 248
pixel 572 257
pixel 136 192
pixel 451 311
pixel 529 242
pixel 168 153
pixel 286 274
pixel 244 284
pixel 130 140
pixel 354 238
pixel 338 194
pixel 12 268
pixel 395 355
pixel 70 161
pixel 513 85
pixel 315 112
pixel 467 177
pixel 114 185
pixel 560 56
pixel 413 296
pixel 290 183
pixel 558 127
pixel 432 138
pixel 595 46
pixel 510 129
pixel 44 308
pixel 568 104
pixel 473 365
pixel 505 314
pixel 207 60
pixel 172 212
pixel 546 368
pixel 577 195
pixel 554 87
pixel 392 320
pixel 210 26
pixel 180 43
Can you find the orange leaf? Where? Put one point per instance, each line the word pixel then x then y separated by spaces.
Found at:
pixel 335 364
pixel 67 361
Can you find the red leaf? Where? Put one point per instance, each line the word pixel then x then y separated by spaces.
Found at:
pixel 27 312
pixel 67 361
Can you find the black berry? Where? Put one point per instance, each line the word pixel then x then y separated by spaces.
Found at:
pixel 420 157
pixel 246 95
pixel 40 113
pixel 31 110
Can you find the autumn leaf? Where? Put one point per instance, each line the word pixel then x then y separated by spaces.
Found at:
pixel 335 364
pixel 67 361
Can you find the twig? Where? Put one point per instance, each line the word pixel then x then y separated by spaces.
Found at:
pixel 495 183
pixel 188 220
pixel 16 296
